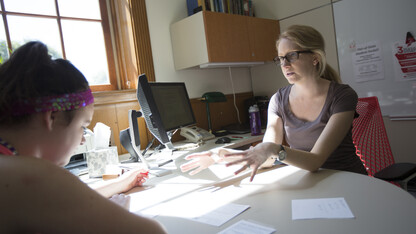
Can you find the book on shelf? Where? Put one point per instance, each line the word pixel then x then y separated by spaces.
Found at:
pixel 227 5
pixel 192 5
pixel 220 6
pixel 239 7
pixel 201 3
pixel 207 5
pixel 250 8
pixel 212 5
pixel 246 9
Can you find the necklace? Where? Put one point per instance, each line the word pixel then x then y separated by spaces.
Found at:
pixel 8 146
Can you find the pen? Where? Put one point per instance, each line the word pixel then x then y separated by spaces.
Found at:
pixel 238 137
pixel 144 173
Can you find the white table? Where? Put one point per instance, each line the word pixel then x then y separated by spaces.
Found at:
pixel 378 206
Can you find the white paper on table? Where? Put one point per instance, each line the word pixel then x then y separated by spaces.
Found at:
pixel 215 217
pixel 246 227
pixel 222 215
pixel 322 208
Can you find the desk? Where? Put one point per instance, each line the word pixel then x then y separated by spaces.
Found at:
pixel 378 206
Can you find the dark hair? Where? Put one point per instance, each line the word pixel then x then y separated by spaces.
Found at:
pixel 308 38
pixel 31 73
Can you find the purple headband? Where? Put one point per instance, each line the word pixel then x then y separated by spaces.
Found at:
pixel 62 102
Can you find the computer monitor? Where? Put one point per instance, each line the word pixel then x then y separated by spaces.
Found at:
pixel 165 107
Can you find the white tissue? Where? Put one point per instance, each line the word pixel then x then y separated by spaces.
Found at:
pixel 102 134
pixel 99 160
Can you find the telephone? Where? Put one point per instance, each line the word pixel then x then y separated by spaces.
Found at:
pixel 196 134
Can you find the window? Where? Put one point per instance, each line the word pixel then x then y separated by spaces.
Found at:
pixel 77 30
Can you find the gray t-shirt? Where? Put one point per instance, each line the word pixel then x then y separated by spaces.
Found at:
pixel 303 135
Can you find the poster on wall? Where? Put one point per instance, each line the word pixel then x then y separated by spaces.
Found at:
pixel 405 58
pixel 367 62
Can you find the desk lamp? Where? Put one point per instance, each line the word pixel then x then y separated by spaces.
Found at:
pixel 211 97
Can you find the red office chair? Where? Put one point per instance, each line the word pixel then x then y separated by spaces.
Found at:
pixel 370 139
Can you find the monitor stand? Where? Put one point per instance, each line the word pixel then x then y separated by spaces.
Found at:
pixel 154 168
pixel 130 139
pixel 125 140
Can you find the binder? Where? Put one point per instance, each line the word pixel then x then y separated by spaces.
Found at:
pixel 191 4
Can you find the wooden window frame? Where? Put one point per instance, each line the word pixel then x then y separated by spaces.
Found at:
pixel 106 33
pixel 128 47
pixel 132 41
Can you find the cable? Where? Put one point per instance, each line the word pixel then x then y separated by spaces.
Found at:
pixel 232 87
pixel 148 147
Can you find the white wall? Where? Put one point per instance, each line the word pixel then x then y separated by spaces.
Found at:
pixel 161 14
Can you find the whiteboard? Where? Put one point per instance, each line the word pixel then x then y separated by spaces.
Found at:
pixel 379 24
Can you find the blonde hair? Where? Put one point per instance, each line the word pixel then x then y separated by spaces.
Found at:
pixel 308 38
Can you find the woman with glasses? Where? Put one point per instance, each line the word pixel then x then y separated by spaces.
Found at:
pixel 313 114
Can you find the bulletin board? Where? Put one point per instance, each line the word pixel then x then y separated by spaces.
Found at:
pixel 377 52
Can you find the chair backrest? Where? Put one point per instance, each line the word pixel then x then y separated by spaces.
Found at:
pixel 370 137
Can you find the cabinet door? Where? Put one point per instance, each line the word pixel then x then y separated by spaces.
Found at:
pixel 106 114
pixel 263 34
pixel 226 37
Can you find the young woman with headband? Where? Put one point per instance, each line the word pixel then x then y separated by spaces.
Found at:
pixel 45 106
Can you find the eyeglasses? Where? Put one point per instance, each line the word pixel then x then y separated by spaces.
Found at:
pixel 290 57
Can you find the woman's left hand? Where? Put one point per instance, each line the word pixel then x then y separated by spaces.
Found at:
pixel 254 157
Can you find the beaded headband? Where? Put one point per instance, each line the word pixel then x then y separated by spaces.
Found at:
pixel 64 102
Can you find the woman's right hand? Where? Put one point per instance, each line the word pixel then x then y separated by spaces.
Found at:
pixel 200 161
pixel 254 157
pixel 203 160
pixel 132 178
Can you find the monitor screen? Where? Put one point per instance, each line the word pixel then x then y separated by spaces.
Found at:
pixel 173 104
pixel 165 107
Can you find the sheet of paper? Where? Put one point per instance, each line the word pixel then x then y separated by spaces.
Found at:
pixel 222 215
pixel 322 208
pixel 247 227
pixel 367 62
pixel 215 217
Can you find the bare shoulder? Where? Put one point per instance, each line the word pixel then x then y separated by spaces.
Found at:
pixel 53 200
pixel 20 165
pixel 20 174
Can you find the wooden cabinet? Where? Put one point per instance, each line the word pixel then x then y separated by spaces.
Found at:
pixel 111 108
pixel 212 37
pixel 263 34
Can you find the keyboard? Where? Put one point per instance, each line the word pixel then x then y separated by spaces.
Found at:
pixel 79 170
pixel 77 167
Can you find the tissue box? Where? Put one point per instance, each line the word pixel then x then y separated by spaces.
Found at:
pixel 97 160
